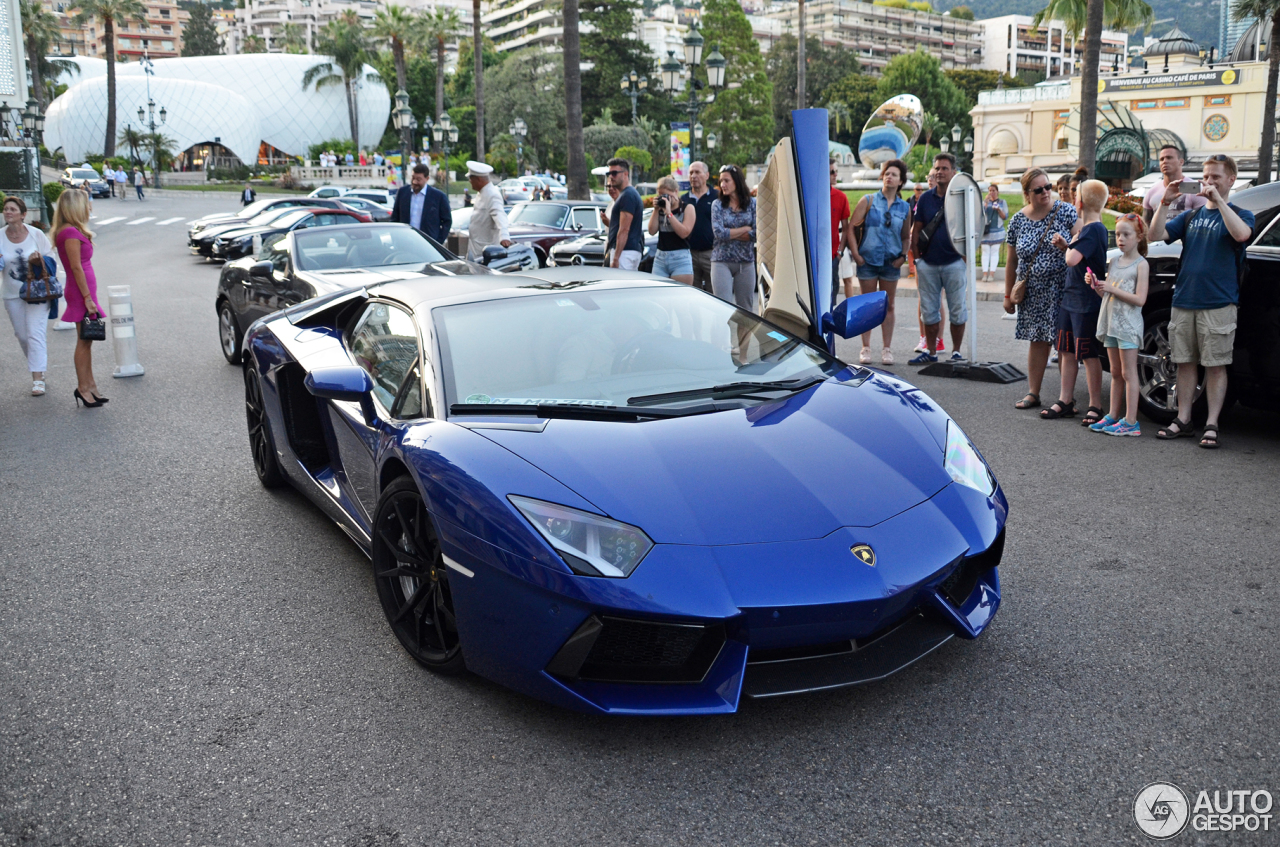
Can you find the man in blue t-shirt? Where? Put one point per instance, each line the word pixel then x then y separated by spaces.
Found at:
pixel 626 236
pixel 939 268
pixel 1202 329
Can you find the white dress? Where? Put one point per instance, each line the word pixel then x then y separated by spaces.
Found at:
pixel 1119 320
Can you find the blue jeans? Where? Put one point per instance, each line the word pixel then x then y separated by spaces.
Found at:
pixel 931 281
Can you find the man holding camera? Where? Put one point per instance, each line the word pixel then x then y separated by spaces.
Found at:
pixel 1187 189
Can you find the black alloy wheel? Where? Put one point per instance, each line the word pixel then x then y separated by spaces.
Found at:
pixel 1158 374
pixel 264 453
pixel 413 581
pixel 229 333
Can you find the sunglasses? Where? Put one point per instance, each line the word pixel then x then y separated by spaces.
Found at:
pixel 616 173
pixel 728 169
pixel 1218 157
pixel 1041 190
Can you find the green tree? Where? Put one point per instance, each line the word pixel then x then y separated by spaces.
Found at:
pixel 346 43
pixel 437 28
pixel 200 35
pixel 921 74
pixel 576 172
pixel 640 160
pixel 399 29
pixel 108 13
pixel 420 79
pixel 601 140
pixel 973 81
pixel 162 150
pixel 823 68
pixel 962 13
pixel 464 118
pixel 254 44
pixel 134 140
pixel 529 85
pixel 1266 11
pixel 39 30
pixel 293 39
pixel 461 84
pixel 1090 17
pixel 742 114
pixel 609 42
pixel 851 101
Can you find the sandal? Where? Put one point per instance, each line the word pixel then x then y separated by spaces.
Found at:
pixel 1209 437
pixel 1029 402
pixel 1059 410
pixel 1091 416
pixel 1169 433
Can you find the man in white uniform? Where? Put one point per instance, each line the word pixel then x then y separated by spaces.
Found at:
pixel 488 219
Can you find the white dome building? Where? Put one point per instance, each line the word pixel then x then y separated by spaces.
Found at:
pixel 242 100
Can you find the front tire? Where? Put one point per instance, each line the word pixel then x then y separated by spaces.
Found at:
pixel 413 581
pixel 229 337
pixel 1158 375
pixel 255 411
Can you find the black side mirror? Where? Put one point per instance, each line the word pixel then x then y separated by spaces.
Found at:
pixel 492 253
pixel 261 269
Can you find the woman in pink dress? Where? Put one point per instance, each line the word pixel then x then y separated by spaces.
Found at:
pixel 74 241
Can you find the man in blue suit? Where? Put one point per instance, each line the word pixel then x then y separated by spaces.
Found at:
pixel 423 207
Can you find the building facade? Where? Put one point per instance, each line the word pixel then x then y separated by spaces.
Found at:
pixel 159 35
pixel 267 18
pixel 1014 45
pixel 517 24
pixel 879 33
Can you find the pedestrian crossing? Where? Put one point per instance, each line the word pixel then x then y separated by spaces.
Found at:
pixel 129 221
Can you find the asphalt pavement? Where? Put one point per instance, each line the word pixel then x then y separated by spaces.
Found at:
pixel 187 658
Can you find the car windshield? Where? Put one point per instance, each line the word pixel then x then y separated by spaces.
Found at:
pixel 80 174
pixel 363 246
pixel 614 347
pixel 540 214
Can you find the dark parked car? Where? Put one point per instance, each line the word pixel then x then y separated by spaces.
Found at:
pixel 1254 374
pixel 590 249
pixel 75 178
pixel 251 211
pixel 237 243
pixel 543 224
pixel 310 262
pixel 376 211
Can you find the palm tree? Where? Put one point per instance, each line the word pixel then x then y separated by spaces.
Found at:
pixel 577 164
pixel 254 44
pixel 397 26
pixel 478 45
pixel 293 39
pixel 163 149
pixel 39 31
pixel 344 40
pixel 108 12
pixel 134 140
pixel 931 127
pixel 1264 11
pixel 439 27
pixel 1092 16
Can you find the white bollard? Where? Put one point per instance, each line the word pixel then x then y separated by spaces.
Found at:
pixel 123 339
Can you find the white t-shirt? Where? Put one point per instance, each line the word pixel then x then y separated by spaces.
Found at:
pixel 15 258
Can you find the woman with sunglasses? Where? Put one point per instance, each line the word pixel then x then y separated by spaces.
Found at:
pixel 1032 258
pixel 733 253
pixel 886 221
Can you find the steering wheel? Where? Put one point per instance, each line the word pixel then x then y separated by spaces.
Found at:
pixel 390 259
pixel 625 359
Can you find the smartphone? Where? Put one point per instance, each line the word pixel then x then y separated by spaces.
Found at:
pixel 1188 188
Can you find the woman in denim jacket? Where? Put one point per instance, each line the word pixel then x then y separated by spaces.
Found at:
pixel 887 219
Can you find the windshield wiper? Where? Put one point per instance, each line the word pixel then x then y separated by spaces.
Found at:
pixel 729 389
pixel 575 411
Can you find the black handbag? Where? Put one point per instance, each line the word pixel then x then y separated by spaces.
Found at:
pixel 93 329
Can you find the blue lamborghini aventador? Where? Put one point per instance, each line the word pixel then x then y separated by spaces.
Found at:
pixel 619 494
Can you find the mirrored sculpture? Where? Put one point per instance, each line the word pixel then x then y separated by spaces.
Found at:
pixel 891 131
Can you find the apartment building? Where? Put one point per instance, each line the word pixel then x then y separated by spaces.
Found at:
pixel 879 33
pixel 516 24
pixel 159 35
pixel 1011 43
pixel 265 18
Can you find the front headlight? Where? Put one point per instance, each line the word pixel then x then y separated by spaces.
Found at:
pixel 589 544
pixel 964 464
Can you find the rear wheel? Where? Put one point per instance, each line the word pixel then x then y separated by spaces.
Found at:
pixel 229 333
pixel 264 453
pixel 413 581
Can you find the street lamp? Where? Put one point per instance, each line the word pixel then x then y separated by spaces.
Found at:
pixel 968 151
pixel 673 80
pixel 150 118
pixel 402 119
pixel 711 143
pixel 633 85
pixel 445 134
pixel 519 129
pixel 945 144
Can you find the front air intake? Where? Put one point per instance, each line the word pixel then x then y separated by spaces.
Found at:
pixel 609 649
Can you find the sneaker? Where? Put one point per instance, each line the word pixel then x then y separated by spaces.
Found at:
pixel 886 357
pixel 1103 424
pixel 923 359
pixel 864 356
pixel 1053 357
pixel 942 348
pixel 1123 427
pixel 920 348
pixel 956 357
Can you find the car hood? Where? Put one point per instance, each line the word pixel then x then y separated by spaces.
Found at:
pixel 234 232
pixel 836 455
pixel 349 277
pixel 517 230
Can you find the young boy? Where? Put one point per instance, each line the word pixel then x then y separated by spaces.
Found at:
pixel 1077 322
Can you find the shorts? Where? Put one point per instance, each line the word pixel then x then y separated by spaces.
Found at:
pixel 672 263
pixel 931 281
pixel 1111 342
pixel 1078 334
pixel 886 272
pixel 629 260
pixel 1203 336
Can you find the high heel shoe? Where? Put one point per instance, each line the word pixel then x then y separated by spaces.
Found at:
pixel 80 398
pixel 99 398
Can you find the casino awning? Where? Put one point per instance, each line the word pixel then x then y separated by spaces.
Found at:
pixel 1126 149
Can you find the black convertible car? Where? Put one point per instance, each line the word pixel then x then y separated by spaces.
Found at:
pixel 590 249
pixel 1254 374
pixel 236 243
pixel 299 264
